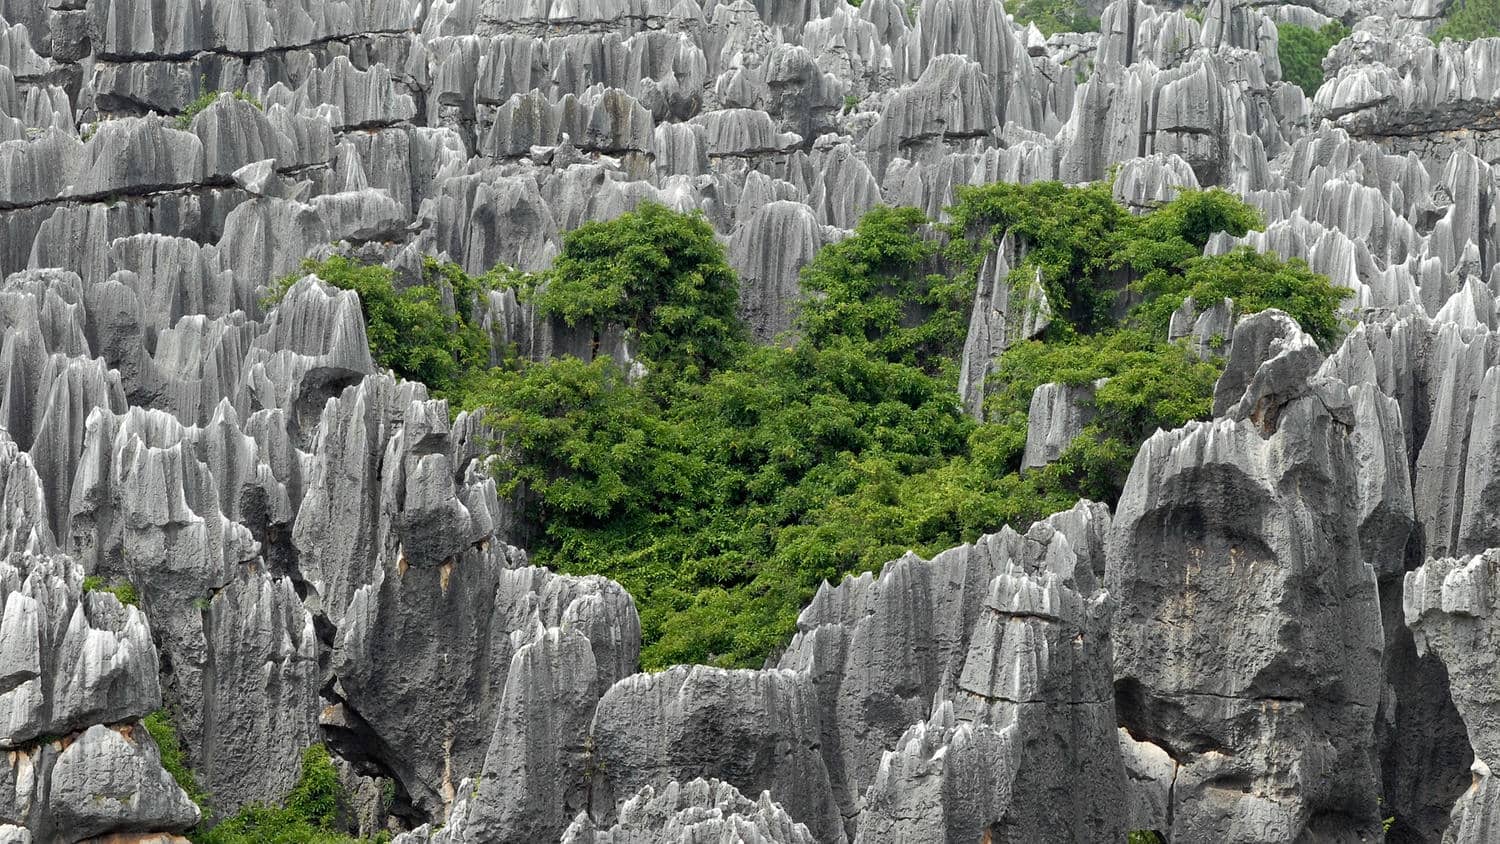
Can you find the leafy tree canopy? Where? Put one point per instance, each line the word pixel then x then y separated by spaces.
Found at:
pixel 660 274
pixel 1467 20
pixel 1302 50
pixel 723 486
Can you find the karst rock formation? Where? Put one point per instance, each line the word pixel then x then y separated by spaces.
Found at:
pixel 1287 630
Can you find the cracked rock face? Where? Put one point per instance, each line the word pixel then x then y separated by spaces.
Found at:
pixel 1251 518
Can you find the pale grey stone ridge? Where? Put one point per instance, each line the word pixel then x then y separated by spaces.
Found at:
pixel 698 810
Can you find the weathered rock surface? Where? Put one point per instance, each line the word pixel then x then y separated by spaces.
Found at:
pixel 320 553
pixel 1254 516
pixel 700 810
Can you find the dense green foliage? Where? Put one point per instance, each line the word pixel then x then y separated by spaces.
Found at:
pixel 1071 236
pixel 1054 16
pixel 869 290
pixel 1255 281
pixel 726 483
pixel 721 491
pixel 424 332
pixel 659 274
pixel 1467 20
pixel 694 492
pixel 124 591
pixel 1303 49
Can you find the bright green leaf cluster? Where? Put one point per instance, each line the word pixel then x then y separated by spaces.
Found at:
pixel 1255 281
pixel 206 99
pixel 870 288
pixel 124 591
pixel 1303 49
pixel 159 725
pixel 723 486
pixel 1070 236
pixel 309 816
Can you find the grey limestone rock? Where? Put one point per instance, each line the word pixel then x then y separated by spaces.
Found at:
pixel 536 773
pixel 1000 316
pixel 138 156
pixel 952 101
pixel 1449 604
pixel 1458 364
pixel 1223 518
pixel 768 251
pixel 1143 183
pixel 698 810
pixel 263 673
pixel 323 556
pixel 1059 413
pixel 881 650
pixel 111 780
pixel 70 659
pixel 757 730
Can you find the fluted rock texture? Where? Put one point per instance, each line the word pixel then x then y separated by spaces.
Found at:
pixel 1282 633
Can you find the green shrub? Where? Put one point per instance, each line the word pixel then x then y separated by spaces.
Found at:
pixel 207 98
pixel 1302 52
pixel 124 591
pixel 723 487
pixel 1054 16
pixel 1255 281
pixel 870 289
pixel 411 331
pixel 309 815
pixel 656 272
pixel 1467 20
pixel 721 496
pixel 1070 235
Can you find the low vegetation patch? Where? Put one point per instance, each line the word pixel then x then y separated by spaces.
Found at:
pixel 207 98
pixel 1054 16
pixel 123 590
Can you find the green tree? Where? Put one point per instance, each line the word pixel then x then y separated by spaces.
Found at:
pixel 871 288
pixel 1467 20
pixel 660 274
pixel 426 332
pixel 1303 49
pixel 1255 281
pixel 1069 234
pixel 721 496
